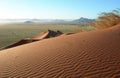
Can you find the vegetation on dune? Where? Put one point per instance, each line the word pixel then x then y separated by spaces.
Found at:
pixel 107 19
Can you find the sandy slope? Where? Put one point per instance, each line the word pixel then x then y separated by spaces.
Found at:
pixel 82 55
pixel 21 42
pixel 47 34
pixel 43 35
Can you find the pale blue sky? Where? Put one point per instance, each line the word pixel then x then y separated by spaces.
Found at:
pixel 55 9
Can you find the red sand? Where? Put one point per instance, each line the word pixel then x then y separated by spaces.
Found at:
pixel 83 55
pixel 47 34
pixel 21 42
pixel 43 35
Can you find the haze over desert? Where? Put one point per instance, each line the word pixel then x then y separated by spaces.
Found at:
pixel 59 39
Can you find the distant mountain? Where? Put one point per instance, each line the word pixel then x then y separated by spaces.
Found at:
pixel 29 22
pixel 82 19
pixel 45 21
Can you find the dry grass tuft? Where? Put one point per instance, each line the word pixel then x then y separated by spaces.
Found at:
pixel 106 20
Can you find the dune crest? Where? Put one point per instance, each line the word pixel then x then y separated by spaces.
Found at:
pixel 47 34
pixel 21 42
pixel 93 54
pixel 43 35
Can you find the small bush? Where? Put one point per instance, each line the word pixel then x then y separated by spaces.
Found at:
pixel 106 20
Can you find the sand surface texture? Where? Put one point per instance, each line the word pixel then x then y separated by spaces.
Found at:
pixel 93 54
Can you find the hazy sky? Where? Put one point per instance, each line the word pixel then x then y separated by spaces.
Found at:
pixel 55 9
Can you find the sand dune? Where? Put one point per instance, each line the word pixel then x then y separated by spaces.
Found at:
pixel 83 55
pixel 47 34
pixel 21 42
pixel 43 35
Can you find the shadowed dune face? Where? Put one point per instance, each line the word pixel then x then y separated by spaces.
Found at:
pixel 21 42
pixel 82 55
pixel 43 35
pixel 47 34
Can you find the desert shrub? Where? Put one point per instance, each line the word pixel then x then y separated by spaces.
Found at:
pixel 107 19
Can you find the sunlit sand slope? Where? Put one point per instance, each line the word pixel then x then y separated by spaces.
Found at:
pixel 83 55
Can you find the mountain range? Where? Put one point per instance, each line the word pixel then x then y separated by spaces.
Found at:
pixel 61 21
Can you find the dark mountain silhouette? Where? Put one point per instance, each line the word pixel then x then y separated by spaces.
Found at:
pixel 29 22
pixel 82 19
